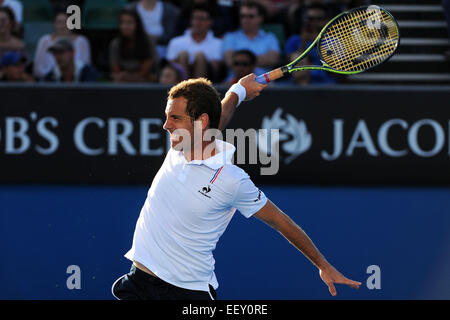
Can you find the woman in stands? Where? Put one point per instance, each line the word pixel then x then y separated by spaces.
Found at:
pixel 44 60
pixel 8 42
pixel 133 55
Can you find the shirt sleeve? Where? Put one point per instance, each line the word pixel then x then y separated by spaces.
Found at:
pixel 83 49
pixel 43 60
pixel 172 50
pixel 272 43
pixel 248 199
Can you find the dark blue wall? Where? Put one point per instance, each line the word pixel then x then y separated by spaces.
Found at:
pixel 406 232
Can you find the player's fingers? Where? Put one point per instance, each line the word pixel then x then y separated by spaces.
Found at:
pixel 351 283
pixel 331 288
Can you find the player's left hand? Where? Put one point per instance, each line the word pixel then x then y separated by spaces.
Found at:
pixel 331 276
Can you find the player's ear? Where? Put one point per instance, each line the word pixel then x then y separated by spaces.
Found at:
pixel 204 118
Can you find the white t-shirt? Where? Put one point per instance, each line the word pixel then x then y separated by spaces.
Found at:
pixel 16 8
pixel 151 19
pixel 188 207
pixel 210 46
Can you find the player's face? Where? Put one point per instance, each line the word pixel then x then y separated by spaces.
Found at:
pixel 178 122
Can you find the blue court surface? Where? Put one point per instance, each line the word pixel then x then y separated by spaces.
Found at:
pixel 405 232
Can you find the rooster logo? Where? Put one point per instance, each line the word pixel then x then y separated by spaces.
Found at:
pixel 294 137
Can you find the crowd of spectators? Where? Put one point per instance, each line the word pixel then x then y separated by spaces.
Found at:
pixel 169 41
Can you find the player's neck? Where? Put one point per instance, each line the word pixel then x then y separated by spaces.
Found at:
pixel 201 152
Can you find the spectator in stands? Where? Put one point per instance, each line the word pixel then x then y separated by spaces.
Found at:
pixel 12 65
pixel 251 37
pixel 9 42
pixel 244 63
pixel 222 13
pixel 274 8
pixel 197 50
pixel 314 19
pixel 44 60
pixel 172 73
pixel 133 55
pixel 159 19
pixel 68 68
pixel 16 7
pixel 303 78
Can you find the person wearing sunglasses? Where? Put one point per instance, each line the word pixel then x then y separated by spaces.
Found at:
pixel 251 37
pixel 244 63
pixel 314 19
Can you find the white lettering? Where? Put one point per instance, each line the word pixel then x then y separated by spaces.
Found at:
pixel 11 135
pixel 338 125
pixel 115 138
pixel 44 132
pixel 147 136
pixel 383 137
pixel 78 136
pixel 367 143
pixel 413 138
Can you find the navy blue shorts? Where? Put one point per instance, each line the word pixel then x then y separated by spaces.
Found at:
pixel 139 285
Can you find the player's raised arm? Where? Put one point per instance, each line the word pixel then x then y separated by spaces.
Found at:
pixel 281 222
pixel 246 89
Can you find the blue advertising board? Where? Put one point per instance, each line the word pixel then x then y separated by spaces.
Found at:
pixel 396 241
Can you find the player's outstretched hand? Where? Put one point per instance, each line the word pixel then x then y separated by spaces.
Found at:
pixel 331 276
pixel 252 87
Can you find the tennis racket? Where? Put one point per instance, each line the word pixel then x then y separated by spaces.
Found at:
pixel 352 42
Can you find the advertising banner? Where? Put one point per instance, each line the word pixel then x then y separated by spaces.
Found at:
pixel 104 135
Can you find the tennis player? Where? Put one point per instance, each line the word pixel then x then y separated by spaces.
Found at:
pixel 193 198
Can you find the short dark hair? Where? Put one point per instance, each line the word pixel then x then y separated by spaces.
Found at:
pixel 201 7
pixel 256 5
pixel 318 6
pixel 248 53
pixel 201 98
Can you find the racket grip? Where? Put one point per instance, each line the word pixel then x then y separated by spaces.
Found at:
pixel 263 79
pixel 269 76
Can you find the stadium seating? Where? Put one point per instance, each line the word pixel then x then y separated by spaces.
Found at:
pixel 102 14
pixel 33 31
pixel 37 10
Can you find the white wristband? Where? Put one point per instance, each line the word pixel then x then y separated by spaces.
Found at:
pixel 240 91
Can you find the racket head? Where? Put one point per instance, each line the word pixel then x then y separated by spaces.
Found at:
pixel 358 40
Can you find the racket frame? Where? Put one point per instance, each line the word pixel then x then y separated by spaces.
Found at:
pixel 289 68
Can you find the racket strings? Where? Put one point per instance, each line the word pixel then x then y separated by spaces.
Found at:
pixel 359 40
